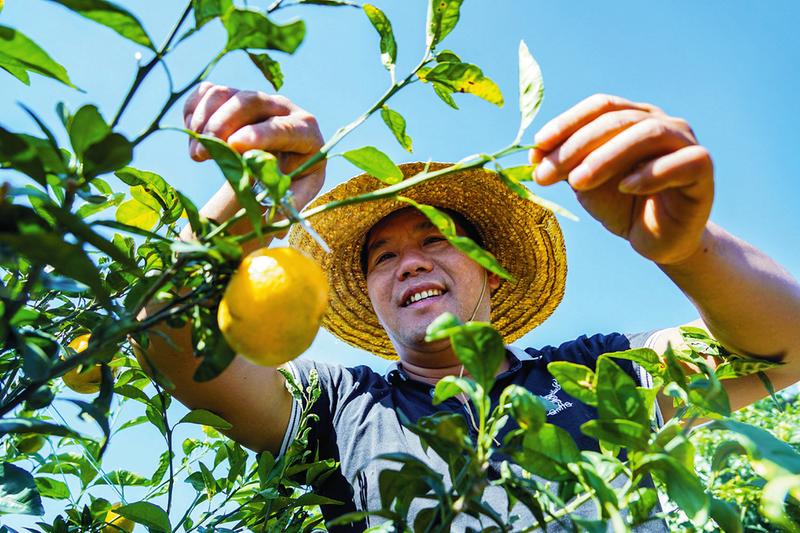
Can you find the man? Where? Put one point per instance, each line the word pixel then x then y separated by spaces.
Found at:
pixel 637 170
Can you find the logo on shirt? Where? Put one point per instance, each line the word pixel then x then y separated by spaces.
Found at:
pixel 552 396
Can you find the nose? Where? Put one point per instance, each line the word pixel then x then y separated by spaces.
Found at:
pixel 412 263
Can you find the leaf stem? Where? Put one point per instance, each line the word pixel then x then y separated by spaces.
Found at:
pixel 144 70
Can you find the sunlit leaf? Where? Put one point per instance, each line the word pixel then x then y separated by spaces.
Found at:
pixel 769 456
pixel 206 418
pixel 147 514
pixel 249 28
pixel 111 16
pixel 17 52
pixel 375 163
pixel 52 488
pixel 577 380
pixel 442 18
pixel 616 394
pixel 469 247
pixel 135 213
pixel 384 27
pixel 531 89
pixel 464 78
pixel 397 125
pixel 207 10
pixel 270 68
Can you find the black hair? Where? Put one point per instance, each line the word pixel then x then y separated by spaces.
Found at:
pixel 468 227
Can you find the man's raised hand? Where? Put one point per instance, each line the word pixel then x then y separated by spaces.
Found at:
pixel 255 120
pixel 638 171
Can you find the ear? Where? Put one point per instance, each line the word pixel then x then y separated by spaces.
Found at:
pixel 493 281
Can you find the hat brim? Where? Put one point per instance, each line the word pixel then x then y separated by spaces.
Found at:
pixel 524 237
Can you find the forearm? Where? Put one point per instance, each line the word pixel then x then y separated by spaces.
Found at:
pixel 222 206
pixel 749 302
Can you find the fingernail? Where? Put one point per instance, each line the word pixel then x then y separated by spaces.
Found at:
pixel 542 135
pixel 629 184
pixel 545 170
pixel 579 174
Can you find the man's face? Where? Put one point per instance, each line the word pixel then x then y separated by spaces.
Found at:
pixel 414 275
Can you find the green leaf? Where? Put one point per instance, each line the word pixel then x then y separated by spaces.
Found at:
pixel 735 368
pixel 769 456
pixel 617 396
pixel 123 477
pixel 641 502
pixel 18 52
pixel 165 196
pixel 547 453
pixel 466 245
pixel 481 349
pixel 270 68
pixel 450 386
pixel 514 185
pixel 108 155
pixel 89 209
pixel 446 56
pixel 464 78
pixel 442 18
pixel 577 380
pixel 619 432
pixel 33 425
pixel 683 487
pixel 147 514
pixel 527 408
pixel 52 488
pixel 644 357
pixel 191 212
pixel 18 493
pixel 248 28
pixel 445 94
pixel 111 16
pixel 332 3
pixel 135 213
pixel 773 501
pixel 384 27
pixel 531 89
pixel 86 128
pixel 232 167
pixel 375 163
pixel 397 125
pixel 66 259
pixel 263 167
pixel 726 515
pixel 207 10
pixel 83 232
pixel 206 418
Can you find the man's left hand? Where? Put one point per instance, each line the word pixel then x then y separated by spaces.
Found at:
pixel 637 170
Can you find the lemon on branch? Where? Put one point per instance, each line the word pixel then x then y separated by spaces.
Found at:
pixel 117 523
pixel 273 306
pixel 88 381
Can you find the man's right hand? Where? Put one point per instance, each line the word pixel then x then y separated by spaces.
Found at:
pixel 249 120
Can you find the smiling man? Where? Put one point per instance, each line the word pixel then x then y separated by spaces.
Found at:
pixel 638 171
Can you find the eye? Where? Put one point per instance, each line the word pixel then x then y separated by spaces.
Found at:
pixel 383 257
pixel 433 239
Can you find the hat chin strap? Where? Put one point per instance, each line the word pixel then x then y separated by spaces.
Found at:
pixel 480 298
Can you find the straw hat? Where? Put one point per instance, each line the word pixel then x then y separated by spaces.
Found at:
pixel 524 237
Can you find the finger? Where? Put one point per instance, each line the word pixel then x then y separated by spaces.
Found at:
pixel 644 140
pixel 213 98
pixel 560 128
pixel 572 151
pixel 243 108
pixel 193 100
pixel 294 133
pixel 690 168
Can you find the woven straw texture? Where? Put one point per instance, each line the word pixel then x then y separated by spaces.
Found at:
pixel 524 237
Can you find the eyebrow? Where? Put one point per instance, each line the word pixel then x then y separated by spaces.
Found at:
pixel 422 226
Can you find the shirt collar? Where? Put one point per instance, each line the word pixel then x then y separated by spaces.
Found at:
pixel 395 374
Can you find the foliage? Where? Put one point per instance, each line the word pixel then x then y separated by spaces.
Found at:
pixel 70 268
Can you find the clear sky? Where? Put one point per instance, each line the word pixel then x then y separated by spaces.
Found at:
pixel 727 66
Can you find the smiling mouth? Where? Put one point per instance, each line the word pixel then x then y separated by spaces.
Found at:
pixel 424 295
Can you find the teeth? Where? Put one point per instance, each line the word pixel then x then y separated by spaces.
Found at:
pixel 422 295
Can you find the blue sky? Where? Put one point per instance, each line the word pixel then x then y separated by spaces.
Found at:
pixel 726 66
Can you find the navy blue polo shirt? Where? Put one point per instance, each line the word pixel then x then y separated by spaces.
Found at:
pixel 358 420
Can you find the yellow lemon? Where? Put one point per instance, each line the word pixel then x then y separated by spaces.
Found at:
pixel 117 523
pixel 30 443
pixel 87 382
pixel 273 306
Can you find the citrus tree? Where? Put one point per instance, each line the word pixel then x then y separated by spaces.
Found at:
pixel 80 261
